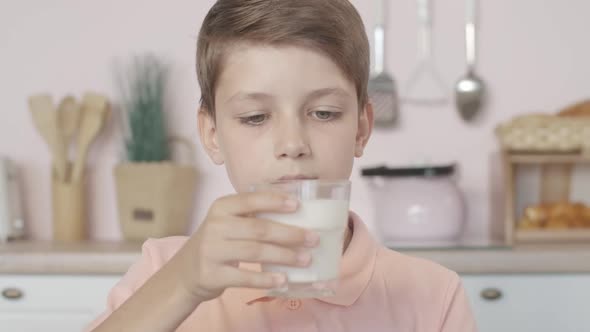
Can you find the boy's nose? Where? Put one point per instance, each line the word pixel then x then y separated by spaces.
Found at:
pixel 291 141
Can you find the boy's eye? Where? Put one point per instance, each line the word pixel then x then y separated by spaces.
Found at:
pixel 254 120
pixel 325 115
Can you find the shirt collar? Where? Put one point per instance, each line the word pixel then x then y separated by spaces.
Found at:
pixel 356 268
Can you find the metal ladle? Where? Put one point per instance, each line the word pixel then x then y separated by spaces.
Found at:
pixel 470 89
pixel 425 86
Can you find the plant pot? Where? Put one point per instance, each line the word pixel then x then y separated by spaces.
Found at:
pixel 154 199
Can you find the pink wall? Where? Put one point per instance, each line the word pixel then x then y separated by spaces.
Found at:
pixel 534 56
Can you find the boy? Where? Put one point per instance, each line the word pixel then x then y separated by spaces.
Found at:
pixel 283 86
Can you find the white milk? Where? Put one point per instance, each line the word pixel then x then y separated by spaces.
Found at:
pixel 328 218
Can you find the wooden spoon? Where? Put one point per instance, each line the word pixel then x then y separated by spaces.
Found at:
pixel 45 118
pixel 69 121
pixel 94 113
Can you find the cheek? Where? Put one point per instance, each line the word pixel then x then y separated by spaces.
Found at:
pixel 243 158
pixel 335 152
pixel 240 167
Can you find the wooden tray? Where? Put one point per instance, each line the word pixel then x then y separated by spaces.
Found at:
pixel 552 236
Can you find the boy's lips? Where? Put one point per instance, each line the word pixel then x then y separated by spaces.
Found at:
pixel 297 177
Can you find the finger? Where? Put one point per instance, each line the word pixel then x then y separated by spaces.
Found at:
pixel 250 279
pixel 245 204
pixel 264 230
pixel 256 252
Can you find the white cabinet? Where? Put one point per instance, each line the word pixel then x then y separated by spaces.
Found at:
pixel 33 303
pixel 528 302
pixel 37 321
pixel 540 303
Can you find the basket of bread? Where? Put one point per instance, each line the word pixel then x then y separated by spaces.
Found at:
pixel 549 154
pixel 566 132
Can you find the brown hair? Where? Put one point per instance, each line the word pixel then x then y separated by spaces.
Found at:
pixel 332 27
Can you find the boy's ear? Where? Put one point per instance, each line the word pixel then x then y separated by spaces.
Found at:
pixel 208 135
pixel 365 127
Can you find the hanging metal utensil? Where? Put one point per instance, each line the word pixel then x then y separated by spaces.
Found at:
pixel 425 76
pixel 470 89
pixel 382 89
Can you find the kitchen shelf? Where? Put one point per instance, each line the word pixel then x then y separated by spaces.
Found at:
pixel 87 257
pixel 554 235
pixel 115 258
pixel 554 158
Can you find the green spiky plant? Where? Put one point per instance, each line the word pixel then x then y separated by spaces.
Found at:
pixel 165 211
pixel 143 88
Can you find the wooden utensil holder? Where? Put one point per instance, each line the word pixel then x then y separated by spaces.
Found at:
pixel 68 211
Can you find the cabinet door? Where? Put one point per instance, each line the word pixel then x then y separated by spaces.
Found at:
pixel 540 303
pixel 37 322
pixel 51 303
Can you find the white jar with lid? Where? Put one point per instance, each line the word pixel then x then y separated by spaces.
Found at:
pixel 417 205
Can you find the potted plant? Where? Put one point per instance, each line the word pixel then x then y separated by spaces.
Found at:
pixel 154 194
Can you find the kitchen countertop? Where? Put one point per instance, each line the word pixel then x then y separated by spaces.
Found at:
pixel 37 257
pixel 45 257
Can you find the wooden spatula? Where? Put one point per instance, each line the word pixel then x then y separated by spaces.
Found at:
pixel 69 121
pixel 94 112
pixel 45 118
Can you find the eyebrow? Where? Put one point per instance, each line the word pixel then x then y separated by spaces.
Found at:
pixel 326 92
pixel 261 96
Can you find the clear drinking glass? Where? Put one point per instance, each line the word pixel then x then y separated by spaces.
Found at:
pixel 323 208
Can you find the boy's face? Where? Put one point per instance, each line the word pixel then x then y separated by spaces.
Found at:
pixel 281 113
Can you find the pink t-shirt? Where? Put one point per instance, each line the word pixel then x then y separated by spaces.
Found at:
pixel 379 290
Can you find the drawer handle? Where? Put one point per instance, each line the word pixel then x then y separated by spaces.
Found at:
pixel 12 293
pixel 491 294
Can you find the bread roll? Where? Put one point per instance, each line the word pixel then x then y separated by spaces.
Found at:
pixel 562 210
pixel 558 223
pixel 537 213
pixel 578 109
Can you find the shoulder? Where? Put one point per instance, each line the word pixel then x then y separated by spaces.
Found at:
pixel 419 278
pixel 159 251
pixel 155 253
pixel 428 290
pixel 386 257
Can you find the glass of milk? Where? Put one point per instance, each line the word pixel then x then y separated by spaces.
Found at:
pixel 323 208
